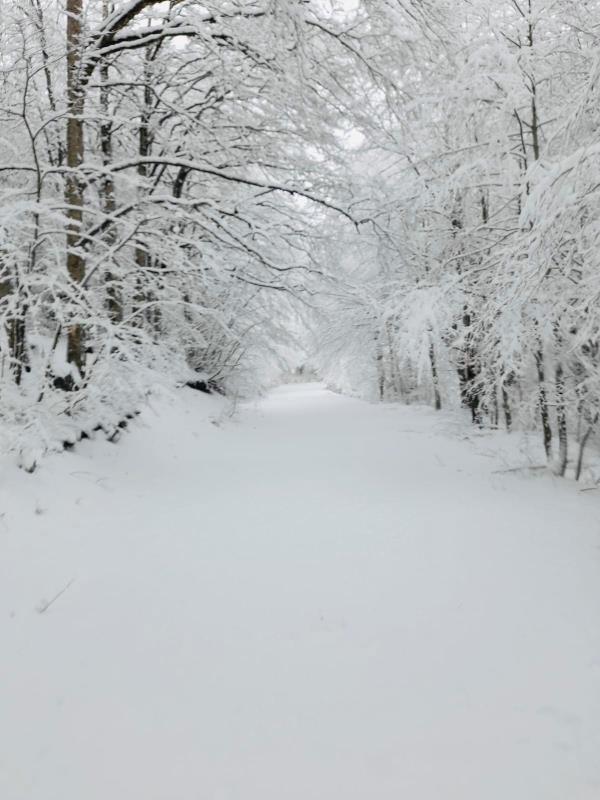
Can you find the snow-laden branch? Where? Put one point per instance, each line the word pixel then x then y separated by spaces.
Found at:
pixel 193 166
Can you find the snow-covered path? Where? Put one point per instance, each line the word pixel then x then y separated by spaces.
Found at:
pixel 325 600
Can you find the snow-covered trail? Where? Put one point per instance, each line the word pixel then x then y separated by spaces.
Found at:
pixel 325 600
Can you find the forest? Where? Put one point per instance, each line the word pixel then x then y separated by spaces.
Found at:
pixel 299 399
pixel 403 193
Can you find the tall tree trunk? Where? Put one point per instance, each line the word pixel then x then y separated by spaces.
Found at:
pixel 144 150
pixel 113 300
pixel 73 184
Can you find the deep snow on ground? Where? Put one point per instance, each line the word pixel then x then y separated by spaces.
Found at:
pixel 319 600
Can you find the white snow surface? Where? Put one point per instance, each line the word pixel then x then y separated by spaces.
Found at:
pixel 322 599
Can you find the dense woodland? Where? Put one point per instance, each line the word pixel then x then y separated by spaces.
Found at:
pixel 403 192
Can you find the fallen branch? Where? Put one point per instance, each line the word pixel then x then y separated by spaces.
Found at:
pixel 520 469
pixel 41 609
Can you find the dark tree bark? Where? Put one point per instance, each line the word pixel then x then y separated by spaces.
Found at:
pixel 15 329
pixel 73 185
pixel 468 372
pixel 561 420
pixel 437 399
pixel 543 404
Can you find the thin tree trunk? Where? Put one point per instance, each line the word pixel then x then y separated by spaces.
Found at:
pixel 561 419
pixel 582 444
pixel 437 399
pixel 144 150
pixel 494 409
pixel 468 372
pixel 507 410
pixel 394 377
pixel 41 28
pixel 15 330
pixel 113 300
pixel 543 403
pixel 380 366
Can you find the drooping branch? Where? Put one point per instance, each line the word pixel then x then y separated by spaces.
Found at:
pixel 192 166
